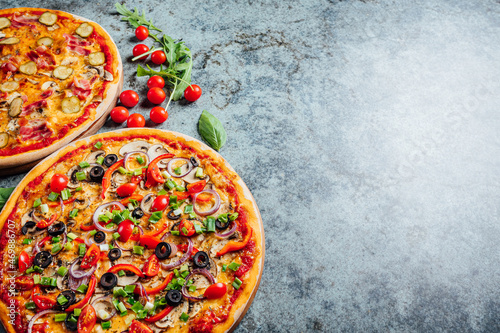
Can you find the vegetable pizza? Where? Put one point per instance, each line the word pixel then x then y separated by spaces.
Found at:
pixel 130 231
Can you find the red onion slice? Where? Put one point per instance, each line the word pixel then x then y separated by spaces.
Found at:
pixel 38 315
pixel 62 206
pixel 145 203
pixel 142 291
pixel 203 272
pixel 181 260
pixel 229 233
pixel 108 300
pixel 129 155
pixel 77 273
pixel 100 210
pixel 214 208
pixel 171 163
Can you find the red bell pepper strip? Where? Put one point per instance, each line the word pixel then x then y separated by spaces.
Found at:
pixel 159 315
pixel 106 179
pixel 88 295
pixel 149 241
pixel 136 197
pixel 126 267
pixel 161 228
pixel 78 240
pixel 42 302
pixel 235 246
pixel 57 203
pixel 156 290
pixel 44 223
pixel 153 173
pixel 89 227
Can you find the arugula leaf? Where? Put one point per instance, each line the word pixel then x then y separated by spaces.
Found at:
pixel 134 18
pixel 4 195
pixel 211 130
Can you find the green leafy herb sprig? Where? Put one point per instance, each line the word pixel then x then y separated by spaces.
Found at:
pixel 211 130
pixel 4 195
pixel 177 74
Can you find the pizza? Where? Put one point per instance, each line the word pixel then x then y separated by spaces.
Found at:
pixel 130 231
pixel 58 74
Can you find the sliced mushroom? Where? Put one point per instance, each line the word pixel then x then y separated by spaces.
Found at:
pixel 97 98
pixel 191 177
pixel 28 216
pixel 73 182
pixel 69 61
pixel 156 150
pixel 4 22
pixel 62 282
pixel 32 81
pixel 16 107
pixel 117 179
pixel 13 96
pixel 9 86
pixel 97 70
pixel 49 84
pixel 48 18
pixel 102 306
pixel 10 41
pixel 70 104
pixel 93 156
pixel 6 57
pixel 47 41
pixel 81 203
pixel 134 146
pixel 108 76
pixel 54 27
pixel 84 29
pixel 4 139
pixel 2 35
pixel 62 72
pixel 127 280
pixel 97 58
pixel 13 125
pixel 194 308
pixel 173 317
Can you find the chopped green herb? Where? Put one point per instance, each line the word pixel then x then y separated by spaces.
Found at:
pixel 156 216
pixel 80 175
pixel 121 273
pixel 224 267
pixel 30 270
pixel 53 196
pixel 61 299
pixel 73 213
pixel 100 160
pixel 77 312
pixel 56 248
pixel 44 208
pixel 122 170
pixel 60 316
pixel 192 288
pixel 116 235
pixel 184 317
pixel 106 324
pixel 118 291
pixel 237 283
pixel 65 194
pixel 184 274
pixel 234 266
pixel 72 236
pixel 38 269
pixel 129 289
pixel 79 188
pixel 139 159
pixel 138 249
pixel 162 192
pixel 30 305
pixel 199 173
pixel 62 271
pixel 136 307
pixel 210 222
pixel 56 239
pixel 170 184
pixel 36 279
pixel 137 172
pixel 27 241
pixel 98 145
pixel 175 233
pixel 84 164
pixel 93 232
pixel 37 203
pixel 172 199
pixel 188 209
pixel 81 249
pixel 68 246
pixel 233 216
pixel 180 188
pixel 82 289
pixel 122 308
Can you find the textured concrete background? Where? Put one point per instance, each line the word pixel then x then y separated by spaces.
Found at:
pixel 369 133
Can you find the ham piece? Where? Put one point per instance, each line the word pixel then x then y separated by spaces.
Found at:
pixel 35 129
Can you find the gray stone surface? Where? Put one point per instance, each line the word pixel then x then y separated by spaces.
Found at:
pixel 368 132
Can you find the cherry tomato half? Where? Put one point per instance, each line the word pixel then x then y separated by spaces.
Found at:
pixel 125 229
pixel 156 81
pixel 141 32
pixel 192 93
pixel 41 328
pixel 129 98
pixel 58 182
pixel 158 57
pixel 136 120
pixel 24 261
pixel 91 257
pixel 138 327
pixel 158 114
pixel 119 114
pixel 196 187
pixel 140 49
pixel 126 190
pixel 160 203
pixel 156 95
pixel 186 228
pixel 152 266
pixel 87 319
pixel 217 290
pixel 24 282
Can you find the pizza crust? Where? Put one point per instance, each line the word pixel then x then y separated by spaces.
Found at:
pixel 252 281
pixel 109 101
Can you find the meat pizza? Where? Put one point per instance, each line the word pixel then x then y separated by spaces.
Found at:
pixel 130 231
pixel 58 74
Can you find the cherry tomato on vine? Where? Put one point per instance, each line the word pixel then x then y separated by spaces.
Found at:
pixel 58 182
pixel 141 32
pixel 216 290
pixel 136 120
pixel 129 98
pixel 140 49
pixel 156 95
pixel 158 57
pixel 192 93
pixel 119 114
pixel 126 190
pixel 156 81
pixel 125 229
pixel 160 203
pixel 158 114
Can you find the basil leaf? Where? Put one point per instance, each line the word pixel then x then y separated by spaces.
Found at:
pixel 211 130
pixel 4 195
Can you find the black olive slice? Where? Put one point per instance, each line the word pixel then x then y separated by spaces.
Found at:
pixel 42 259
pixel 70 325
pixel 173 297
pixel 108 281
pixel 110 159
pixel 163 250
pixel 27 226
pixel 137 213
pixel 96 174
pixel 201 259
pixel 171 215
pixel 221 225
pixel 70 296
pixel 56 229
pixel 194 162
pixel 99 237
pixel 114 254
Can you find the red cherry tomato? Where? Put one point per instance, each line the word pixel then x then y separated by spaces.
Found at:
pixel 192 93
pixel 160 203
pixel 217 290
pixel 158 114
pixel 141 32
pixel 91 257
pixel 119 114
pixel 156 81
pixel 156 95
pixel 152 266
pixel 186 228
pixel 58 182
pixel 158 57
pixel 24 282
pixel 138 327
pixel 24 261
pixel 87 320
pixel 140 49
pixel 129 98
pixel 41 328
pixel 42 302
pixel 126 190
pixel 196 187
pixel 136 120
pixel 125 229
